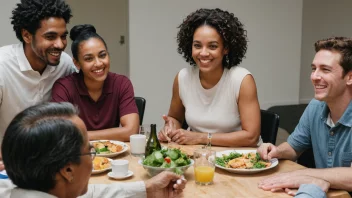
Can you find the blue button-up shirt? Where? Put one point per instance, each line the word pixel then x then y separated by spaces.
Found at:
pixel 310 191
pixel 332 146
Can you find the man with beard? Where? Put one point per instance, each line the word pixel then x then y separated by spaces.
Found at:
pixel 28 70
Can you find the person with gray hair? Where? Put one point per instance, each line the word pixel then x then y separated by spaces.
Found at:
pixel 47 153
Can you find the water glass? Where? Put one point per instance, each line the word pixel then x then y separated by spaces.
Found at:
pixel 204 166
pixel 137 142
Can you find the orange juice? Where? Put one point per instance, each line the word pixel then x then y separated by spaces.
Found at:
pixel 204 174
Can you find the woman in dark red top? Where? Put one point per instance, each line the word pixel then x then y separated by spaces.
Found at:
pixel 105 99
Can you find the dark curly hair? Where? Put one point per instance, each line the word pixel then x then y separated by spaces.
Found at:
pixel 28 14
pixel 342 45
pixel 227 25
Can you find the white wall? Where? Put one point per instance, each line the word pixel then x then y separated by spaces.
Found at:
pixel 274 49
pixel 279 53
pixel 8 36
pixel 321 19
pixel 110 20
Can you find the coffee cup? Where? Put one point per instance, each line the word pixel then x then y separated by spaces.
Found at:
pixel 119 167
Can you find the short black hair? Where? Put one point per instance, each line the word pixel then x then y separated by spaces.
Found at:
pixel 226 24
pixel 29 13
pixel 80 33
pixel 39 142
pixel 343 45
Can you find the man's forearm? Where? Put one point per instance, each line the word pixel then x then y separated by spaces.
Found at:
pixel 287 152
pixel 339 178
pixel 117 133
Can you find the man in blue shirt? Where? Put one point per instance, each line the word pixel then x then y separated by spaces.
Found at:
pixel 325 125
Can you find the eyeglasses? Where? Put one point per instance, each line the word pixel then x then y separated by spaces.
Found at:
pixel 92 153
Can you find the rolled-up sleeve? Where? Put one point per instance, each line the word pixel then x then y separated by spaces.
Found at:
pixel 310 190
pixel 300 139
pixel 121 190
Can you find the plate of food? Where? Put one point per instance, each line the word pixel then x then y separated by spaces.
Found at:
pixel 243 161
pixel 167 159
pixel 109 148
pixel 101 164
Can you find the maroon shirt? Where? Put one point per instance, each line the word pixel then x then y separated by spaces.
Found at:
pixel 116 100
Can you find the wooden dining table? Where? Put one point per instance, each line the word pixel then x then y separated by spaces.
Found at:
pixel 225 184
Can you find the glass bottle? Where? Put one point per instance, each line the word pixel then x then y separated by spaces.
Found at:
pixel 153 143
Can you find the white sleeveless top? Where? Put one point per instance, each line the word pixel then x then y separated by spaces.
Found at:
pixel 211 110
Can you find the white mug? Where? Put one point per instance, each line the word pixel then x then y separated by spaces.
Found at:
pixel 137 142
pixel 119 167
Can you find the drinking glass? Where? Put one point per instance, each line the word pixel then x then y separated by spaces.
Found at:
pixel 204 166
pixel 137 142
pixel 144 129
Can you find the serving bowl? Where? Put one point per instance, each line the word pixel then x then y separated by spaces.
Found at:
pixel 152 171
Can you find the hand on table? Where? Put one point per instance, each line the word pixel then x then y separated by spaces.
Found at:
pixel 165 184
pixel 181 136
pixel 267 151
pixel 291 180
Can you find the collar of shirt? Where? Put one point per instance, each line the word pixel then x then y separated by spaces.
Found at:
pixel 329 121
pixel 23 61
pixel 345 118
pixel 82 88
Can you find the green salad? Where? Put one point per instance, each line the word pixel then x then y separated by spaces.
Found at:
pixel 167 158
pixel 246 161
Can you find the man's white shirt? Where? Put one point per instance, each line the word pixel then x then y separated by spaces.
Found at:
pixel 21 86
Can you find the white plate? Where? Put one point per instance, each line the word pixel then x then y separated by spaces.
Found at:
pixel 102 170
pixel 111 175
pixel 125 148
pixel 274 162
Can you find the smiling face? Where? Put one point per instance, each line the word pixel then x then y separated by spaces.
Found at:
pixel 48 42
pixel 327 76
pixel 208 49
pixel 93 60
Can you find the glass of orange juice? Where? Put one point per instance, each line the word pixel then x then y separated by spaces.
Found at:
pixel 204 166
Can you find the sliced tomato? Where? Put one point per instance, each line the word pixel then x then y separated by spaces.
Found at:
pixel 167 160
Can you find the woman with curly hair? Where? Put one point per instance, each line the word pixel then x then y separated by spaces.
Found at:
pixel 216 97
